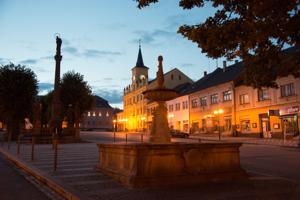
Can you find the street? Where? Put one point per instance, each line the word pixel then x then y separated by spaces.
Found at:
pixel 264 160
pixel 13 186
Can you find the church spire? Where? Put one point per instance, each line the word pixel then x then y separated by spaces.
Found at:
pixel 140 62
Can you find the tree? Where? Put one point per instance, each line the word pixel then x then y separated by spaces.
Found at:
pixel 77 93
pixel 18 89
pixel 255 31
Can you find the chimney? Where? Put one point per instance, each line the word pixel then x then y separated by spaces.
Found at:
pixel 224 65
pixel 205 73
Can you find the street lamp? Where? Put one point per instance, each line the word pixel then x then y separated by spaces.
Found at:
pixel 114 122
pixel 218 112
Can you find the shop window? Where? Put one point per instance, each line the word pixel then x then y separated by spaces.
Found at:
pixel 244 99
pixel 203 101
pixel 194 103
pixel 214 98
pixel 287 90
pixel 227 96
pixel 227 124
pixel 263 94
pixel 245 126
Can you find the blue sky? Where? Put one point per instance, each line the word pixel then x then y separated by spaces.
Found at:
pixel 100 40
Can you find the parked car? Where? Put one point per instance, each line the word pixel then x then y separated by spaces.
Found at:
pixel 178 134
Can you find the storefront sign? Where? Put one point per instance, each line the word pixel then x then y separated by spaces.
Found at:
pixel 289 110
pixel 273 112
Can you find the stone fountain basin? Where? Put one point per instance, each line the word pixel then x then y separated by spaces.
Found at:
pixel 137 165
pixel 160 94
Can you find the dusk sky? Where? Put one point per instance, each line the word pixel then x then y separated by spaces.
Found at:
pixel 100 40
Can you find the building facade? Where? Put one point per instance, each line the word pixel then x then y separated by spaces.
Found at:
pixel 137 114
pixel 99 117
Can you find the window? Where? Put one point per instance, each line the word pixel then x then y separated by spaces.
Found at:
pixel 100 114
pixel 227 96
pixel 177 106
pixel 194 103
pixel 171 108
pixel 263 94
pixel 244 98
pixel 214 98
pixel 94 114
pixel 245 125
pixel 172 76
pixel 185 105
pixel 107 114
pixel 179 77
pixel 203 101
pixel 287 90
pixel 89 114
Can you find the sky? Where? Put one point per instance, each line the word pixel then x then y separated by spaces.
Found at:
pixel 100 40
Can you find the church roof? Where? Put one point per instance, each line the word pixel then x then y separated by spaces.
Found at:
pixel 140 62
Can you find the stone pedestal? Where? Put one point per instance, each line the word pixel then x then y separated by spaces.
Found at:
pixel 152 165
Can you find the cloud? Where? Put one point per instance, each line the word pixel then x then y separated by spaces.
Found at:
pixel 29 61
pixel 70 50
pixel 97 53
pixel 151 37
pixel 187 65
pixel 111 95
pixel 45 87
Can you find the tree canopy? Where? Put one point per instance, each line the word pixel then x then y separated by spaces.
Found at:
pixel 18 90
pixel 256 31
pixel 75 92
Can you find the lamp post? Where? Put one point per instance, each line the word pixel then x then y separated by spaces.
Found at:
pixel 114 123
pixel 218 112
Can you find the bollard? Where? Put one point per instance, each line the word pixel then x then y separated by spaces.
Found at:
pixel 55 153
pixel 126 137
pixel 18 149
pixel 114 137
pixel 32 148
pixel 142 137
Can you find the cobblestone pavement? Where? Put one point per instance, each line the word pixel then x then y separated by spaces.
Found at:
pixel 76 170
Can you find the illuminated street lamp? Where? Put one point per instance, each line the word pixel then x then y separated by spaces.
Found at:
pixel 114 123
pixel 218 112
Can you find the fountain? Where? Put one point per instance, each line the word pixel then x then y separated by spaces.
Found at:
pixel 161 162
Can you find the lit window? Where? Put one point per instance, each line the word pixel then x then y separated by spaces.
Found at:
pixel 100 114
pixel 227 96
pixel 94 114
pixel 194 103
pixel 244 98
pixel 263 94
pixel 203 101
pixel 287 90
pixel 107 115
pixel 214 98
pixel 89 114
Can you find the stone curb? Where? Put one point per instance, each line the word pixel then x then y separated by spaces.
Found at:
pixel 42 178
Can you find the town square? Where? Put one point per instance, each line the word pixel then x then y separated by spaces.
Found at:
pixel 149 99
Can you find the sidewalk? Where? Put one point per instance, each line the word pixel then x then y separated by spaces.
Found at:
pixel 247 140
pixel 77 178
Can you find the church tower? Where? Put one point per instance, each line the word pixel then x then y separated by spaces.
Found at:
pixel 140 71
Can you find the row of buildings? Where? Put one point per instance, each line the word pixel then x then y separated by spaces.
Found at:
pixel 216 102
